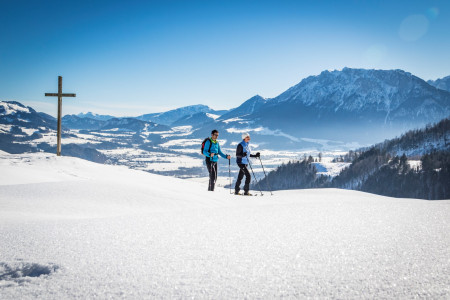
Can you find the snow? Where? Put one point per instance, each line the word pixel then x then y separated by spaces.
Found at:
pixel 332 144
pixel 112 129
pixel 5 128
pixel 330 168
pixel 70 228
pixel 185 128
pixel 182 142
pixel 50 138
pixel 123 151
pixel 242 130
pixel 278 132
pixel 170 162
pixel 263 130
pixel 28 131
pixel 11 108
pixel 414 164
pixel 232 120
pixel 212 116
pixel 178 131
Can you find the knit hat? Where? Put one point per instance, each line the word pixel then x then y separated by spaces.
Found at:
pixel 245 134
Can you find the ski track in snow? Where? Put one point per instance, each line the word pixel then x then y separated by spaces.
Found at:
pixel 87 230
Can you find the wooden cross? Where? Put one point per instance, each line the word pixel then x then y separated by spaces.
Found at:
pixel 59 95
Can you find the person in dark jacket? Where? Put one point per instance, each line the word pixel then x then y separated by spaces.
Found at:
pixel 212 152
pixel 243 153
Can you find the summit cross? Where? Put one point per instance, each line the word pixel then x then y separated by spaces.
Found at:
pixel 59 95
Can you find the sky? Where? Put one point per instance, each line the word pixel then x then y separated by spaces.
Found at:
pixel 127 58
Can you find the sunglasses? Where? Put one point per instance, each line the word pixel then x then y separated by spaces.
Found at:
pixel 215 134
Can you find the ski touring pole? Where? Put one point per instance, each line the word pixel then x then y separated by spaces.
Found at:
pixel 255 177
pixel 265 176
pixel 229 172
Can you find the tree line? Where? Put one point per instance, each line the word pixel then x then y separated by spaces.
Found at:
pixel 382 169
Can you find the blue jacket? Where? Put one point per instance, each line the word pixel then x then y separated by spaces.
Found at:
pixel 215 148
pixel 243 153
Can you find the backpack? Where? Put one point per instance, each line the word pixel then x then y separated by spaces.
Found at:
pixel 203 145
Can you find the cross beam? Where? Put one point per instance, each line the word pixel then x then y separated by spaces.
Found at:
pixel 59 95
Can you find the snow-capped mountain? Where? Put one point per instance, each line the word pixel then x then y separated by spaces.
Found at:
pixel 441 83
pixel 355 104
pixel 15 113
pixel 93 116
pixel 22 129
pixel 171 116
pixel 132 124
pixel 246 108
pixel 339 110
pixel 196 120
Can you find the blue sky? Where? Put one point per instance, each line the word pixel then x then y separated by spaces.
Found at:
pixel 132 57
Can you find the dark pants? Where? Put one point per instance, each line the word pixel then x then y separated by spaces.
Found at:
pixel 212 169
pixel 243 171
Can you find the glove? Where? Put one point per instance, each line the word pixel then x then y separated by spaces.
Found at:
pixel 245 154
pixel 257 154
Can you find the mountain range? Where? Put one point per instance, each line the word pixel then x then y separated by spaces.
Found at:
pixel 349 105
pixel 333 110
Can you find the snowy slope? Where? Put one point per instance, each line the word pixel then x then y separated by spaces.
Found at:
pixel 93 230
pixel 171 116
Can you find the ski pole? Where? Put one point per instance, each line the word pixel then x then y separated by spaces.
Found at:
pixel 229 172
pixel 255 177
pixel 267 178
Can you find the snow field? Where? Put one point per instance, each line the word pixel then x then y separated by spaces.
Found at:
pixel 90 230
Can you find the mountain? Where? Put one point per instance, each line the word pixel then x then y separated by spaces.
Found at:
pixel 126 141
pixel 120 124
pixel 22 129
pixel 196 120
pixel 442 83
pixel 339 110
pixel 354 105
pixel 50 119
pixel 171 116
pixel 132 124
pixel 414 165
pixel 13 113
pixel 74 122
pixel 93 116
pixel 248 107
pixel 336 109
pixel 385 167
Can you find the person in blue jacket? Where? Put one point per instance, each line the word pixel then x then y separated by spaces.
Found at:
pixel 212 152
pixel 243 153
